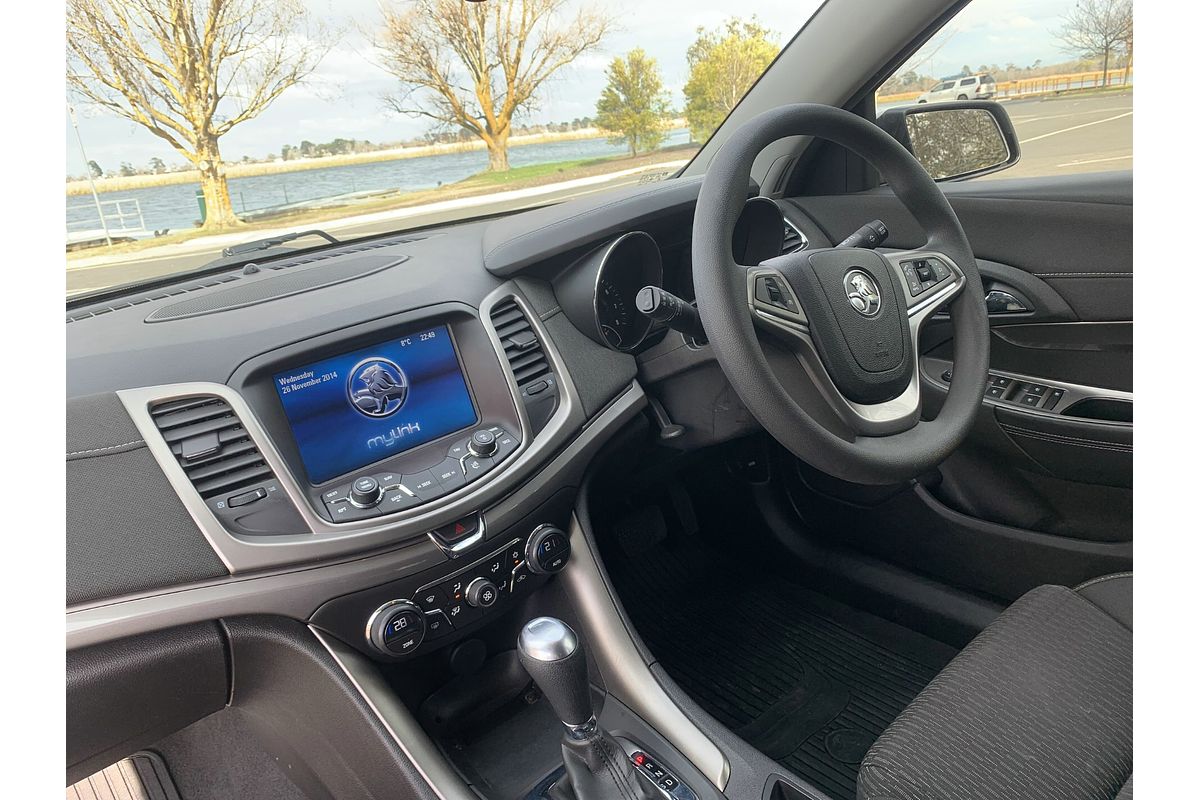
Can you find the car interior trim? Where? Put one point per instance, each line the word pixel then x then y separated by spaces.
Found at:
pixel 297 592
pixel 933 371
pixel 625 673
pixel 241 554
pixel 397 720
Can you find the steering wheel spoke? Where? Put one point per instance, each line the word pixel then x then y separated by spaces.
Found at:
pixel 852 317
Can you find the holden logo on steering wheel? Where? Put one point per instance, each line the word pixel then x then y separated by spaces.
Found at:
pixel 862 292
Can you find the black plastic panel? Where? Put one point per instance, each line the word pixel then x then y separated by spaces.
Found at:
pixel 126 694
pixel 346 617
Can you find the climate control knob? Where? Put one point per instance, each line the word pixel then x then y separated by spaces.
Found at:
pixel 547 550
pixel 482 593
pixel 396 628
pixel 483 443
pixel 365 492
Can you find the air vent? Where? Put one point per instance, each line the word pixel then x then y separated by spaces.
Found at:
pixel 524 352
pixel 793 239
pixel 211 445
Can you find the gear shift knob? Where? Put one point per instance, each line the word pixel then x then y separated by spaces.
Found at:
pixel 553 656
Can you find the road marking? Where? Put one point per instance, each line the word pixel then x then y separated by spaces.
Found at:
pixel 1093 161
pixel 1024 119
pixel 1075 127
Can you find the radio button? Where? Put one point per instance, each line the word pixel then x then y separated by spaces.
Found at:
pixel 396 500
pixel 424 485
pixel 458 450
pixel 450 475
pixel 345 511
pixel 474 466
pixel 365 491
pixel 506 443
pixel 483 442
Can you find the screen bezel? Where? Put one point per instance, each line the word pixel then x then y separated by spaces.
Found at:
pixel 462 371
pixel 480 363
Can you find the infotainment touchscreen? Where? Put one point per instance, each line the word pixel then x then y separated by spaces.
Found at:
pixel 360 407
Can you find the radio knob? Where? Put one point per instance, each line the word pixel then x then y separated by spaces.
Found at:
pixel 365 492
pixel 483 443
pixel 482 593
pixel 396 628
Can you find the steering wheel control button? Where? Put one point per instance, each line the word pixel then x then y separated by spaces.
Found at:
pixel 482 593
pixel 365 492
pixel 483 443
pixel 547 550
pixel 769 289
pixel 396 628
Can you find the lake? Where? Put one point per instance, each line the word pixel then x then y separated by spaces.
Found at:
pixel 174 207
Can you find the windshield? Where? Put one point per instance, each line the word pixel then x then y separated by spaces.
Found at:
pixel 360 118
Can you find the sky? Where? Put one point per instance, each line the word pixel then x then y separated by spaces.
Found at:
pixel 344 95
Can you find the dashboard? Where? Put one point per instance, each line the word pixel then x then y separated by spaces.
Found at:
pixel 312 436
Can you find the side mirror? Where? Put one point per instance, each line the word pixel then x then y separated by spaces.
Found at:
pixel 957 140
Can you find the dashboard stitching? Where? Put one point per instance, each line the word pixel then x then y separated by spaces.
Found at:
pixel 1084 274
pixel 103 449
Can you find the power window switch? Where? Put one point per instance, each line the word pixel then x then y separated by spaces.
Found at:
pixel 1034 388
pixel 1031 400
pixel 1000 380
pixel 996 392
pixel 1053 399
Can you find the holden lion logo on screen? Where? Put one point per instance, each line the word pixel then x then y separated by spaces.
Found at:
pixel 377 387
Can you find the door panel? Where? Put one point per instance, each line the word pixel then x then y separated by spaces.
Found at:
pixel 1063 246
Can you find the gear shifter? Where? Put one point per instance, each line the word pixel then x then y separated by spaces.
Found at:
pixel 597 767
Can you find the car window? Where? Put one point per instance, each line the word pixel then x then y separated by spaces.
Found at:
pixel 1062 70
pixel 368 117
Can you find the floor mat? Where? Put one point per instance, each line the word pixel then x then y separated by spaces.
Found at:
pixel 810 682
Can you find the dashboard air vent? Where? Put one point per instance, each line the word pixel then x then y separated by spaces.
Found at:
pixel 211 445
pixel 522 349
pixel 793 239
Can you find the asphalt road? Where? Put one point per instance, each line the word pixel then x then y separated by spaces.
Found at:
pixel 1058 136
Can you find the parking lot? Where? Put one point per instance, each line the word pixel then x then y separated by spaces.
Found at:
pixel 1065 135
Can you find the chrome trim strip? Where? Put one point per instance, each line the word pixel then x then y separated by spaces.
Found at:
pixel 242 554
pixel 625 674
pixel 297 590
pixel 400 724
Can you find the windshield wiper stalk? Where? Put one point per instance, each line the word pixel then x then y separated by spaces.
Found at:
pixel 274 241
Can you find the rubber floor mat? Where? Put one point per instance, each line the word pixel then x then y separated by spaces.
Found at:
pixel 807 680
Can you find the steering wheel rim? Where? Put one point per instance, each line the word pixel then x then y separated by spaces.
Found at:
pixel 872 455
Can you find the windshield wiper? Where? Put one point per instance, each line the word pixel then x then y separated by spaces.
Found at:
pixel 266 244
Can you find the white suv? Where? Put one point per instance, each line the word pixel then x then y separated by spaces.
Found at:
pixel 971 87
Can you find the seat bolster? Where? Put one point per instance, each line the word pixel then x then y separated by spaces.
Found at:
pixel 1112 594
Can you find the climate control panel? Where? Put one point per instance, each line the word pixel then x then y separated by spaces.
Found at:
pixel 468 458
pixel 406 617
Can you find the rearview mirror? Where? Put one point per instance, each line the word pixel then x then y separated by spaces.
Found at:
pixel 955 140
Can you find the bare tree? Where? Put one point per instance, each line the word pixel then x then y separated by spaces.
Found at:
pixel 189 71
pixel 1094 29
pixel 477 65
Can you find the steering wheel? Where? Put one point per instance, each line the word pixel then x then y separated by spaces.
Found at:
pixel 851 316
